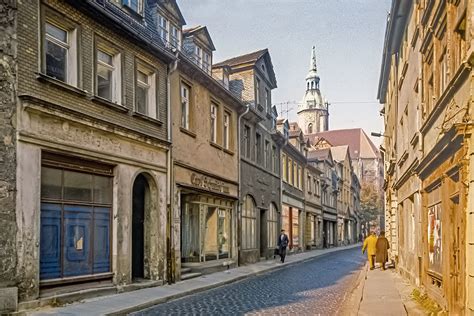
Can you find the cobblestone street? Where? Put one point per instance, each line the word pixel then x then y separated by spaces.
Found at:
pixel 314 287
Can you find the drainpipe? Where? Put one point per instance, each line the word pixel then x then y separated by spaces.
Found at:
pixel 169 175
pixel 239 172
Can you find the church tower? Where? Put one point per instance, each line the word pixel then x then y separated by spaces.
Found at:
pixel 313 111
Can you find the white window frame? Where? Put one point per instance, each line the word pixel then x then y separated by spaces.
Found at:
pixel 257 88
pixel 198 52
pixel 116 67
pixel 206 61
pixel 226 142
pixel 175 36
pixel 214 111
pixel 140 7
pixel 185 101
pixel 151 86
pixel 71 70
pixel 163 28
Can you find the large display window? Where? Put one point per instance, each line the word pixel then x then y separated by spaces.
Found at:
pixel 205 232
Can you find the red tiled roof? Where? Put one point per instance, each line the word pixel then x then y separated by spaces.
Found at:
pixel 360 145
pixel 319 154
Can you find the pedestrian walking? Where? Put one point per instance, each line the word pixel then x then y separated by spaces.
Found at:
pixel 370 245
pixel 382 247
pixel 282 244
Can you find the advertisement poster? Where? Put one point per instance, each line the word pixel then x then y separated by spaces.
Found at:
pixel 434 238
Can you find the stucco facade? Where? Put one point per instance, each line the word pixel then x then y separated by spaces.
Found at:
pixel 426 89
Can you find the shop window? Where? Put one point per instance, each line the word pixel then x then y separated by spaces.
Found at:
pixel 295 227
pixel 272 226
pixel 435 250
pixel 60 59
pixel 205 233
pixel 249 224
pixel 75 222
pixel 285 219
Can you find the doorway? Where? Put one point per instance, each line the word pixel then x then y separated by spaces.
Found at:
pixel 140 189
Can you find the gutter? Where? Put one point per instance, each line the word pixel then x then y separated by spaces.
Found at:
pixel 170 177
pixel 239 171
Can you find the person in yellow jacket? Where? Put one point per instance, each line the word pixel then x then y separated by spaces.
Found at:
pixel 370 245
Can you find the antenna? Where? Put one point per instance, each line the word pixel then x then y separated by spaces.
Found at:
pixel 285 107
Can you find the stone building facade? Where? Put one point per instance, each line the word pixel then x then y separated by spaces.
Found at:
pixel 426 91
pixel 252 78
pixel 90 148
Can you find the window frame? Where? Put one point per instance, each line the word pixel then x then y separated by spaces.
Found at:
pixel 185 121
pixel 152 104
pixel 140 6
pixel 226 143
pixel 116 78
pixel 214 110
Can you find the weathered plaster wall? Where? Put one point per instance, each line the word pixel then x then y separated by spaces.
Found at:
pixel 8 88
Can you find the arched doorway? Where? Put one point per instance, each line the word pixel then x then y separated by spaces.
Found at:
pixel 141 194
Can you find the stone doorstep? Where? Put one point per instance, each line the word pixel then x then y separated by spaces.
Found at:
pixel 78 296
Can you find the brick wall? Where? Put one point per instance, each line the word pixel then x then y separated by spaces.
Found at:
pixel 8 54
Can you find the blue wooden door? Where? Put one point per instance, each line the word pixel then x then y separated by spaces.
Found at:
pixel 50 246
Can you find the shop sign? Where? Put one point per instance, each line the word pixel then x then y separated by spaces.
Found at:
pixel 209 183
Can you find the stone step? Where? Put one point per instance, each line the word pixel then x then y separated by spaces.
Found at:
pixel 185 270
pixel 191 275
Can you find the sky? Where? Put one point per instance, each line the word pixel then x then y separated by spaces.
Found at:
pixel 348 36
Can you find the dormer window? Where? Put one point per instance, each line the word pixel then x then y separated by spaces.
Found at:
pixel 175 38
pixel 135 5
pixel 198 56
pixel 206 63
pixel 163 28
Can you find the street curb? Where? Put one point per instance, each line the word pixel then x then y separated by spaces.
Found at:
pixel 171 297
pixel 352 300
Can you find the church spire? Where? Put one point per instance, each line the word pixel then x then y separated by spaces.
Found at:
pixel 312 79
pixel 312 63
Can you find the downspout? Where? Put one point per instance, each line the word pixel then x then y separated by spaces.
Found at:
pixel 239 172
pixel 171 267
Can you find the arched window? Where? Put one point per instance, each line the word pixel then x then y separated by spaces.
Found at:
pixel 249 223
pixel 272 226
pixel 310 128
pixel 308 85
pixel 312 84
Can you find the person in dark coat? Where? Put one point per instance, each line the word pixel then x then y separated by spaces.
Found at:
pixel 381 252
pixel 282 244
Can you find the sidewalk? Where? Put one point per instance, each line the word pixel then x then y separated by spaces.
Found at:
pixel 120 304
pixel 381 293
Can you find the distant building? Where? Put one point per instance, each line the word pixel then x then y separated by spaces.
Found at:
pixel 313 111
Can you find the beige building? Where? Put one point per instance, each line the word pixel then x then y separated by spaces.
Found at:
pixel 426 89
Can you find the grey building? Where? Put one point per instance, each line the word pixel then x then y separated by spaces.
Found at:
pixel 252 78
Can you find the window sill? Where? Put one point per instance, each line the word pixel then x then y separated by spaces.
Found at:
pixel 60 84
pixel 109 104
pixel 228 151
pixel 216 145
pixel 147 118
pixel 188 132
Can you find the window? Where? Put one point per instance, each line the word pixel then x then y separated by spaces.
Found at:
pixel 226 130
pixel 247 141
pixel 316 187
pixel 163 28
pixel 258 148
pixel 175 38
pixel 249 224
pixel 272 226
pixel 435 253
pixel 290 171
pixel 268 99
pixel 257 92
pixel 185 97
pixel 135 5
pixel 309 184
pixel 108 83
pixel 268 161
pixel 310 128
pixel 285 168
pixel 213 123
pixel 60 53
pixel 206 64
pixel 198 56
pixel 145 92
pixel 274 160
pixel 300 178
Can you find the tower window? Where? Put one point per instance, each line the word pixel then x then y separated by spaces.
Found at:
pixel 310 128
pixel 312 84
